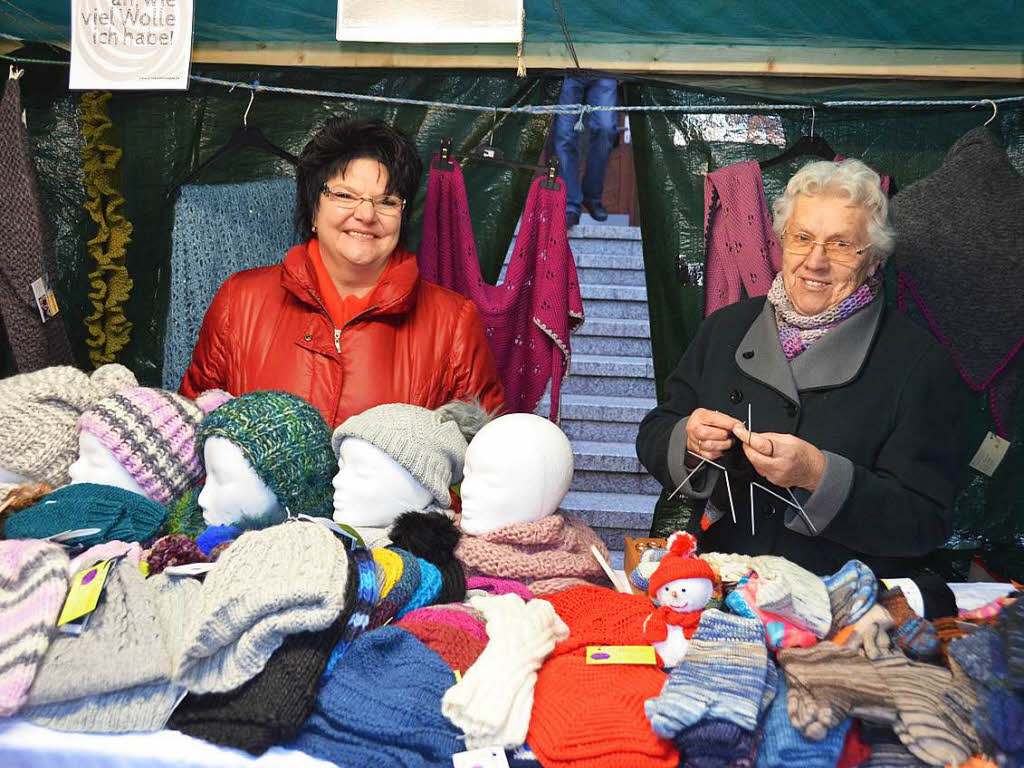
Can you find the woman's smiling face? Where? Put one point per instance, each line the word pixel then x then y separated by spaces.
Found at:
pixel 813 281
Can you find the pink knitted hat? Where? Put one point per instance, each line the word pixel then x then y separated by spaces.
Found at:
pixel 33 583
pixel 152 433
pixel 547 555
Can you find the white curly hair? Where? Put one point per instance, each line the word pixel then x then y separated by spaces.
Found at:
pixel 849 178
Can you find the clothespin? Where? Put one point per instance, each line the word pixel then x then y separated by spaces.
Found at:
pixel 551 180
pixel 15 74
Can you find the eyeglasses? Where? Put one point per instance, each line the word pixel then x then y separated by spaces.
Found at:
pixel 386 205
pixel 837 250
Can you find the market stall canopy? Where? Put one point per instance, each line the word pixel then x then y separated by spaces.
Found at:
pixel 870 38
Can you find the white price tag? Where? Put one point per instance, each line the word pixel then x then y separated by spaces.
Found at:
pixel 488 757
pixel 990 453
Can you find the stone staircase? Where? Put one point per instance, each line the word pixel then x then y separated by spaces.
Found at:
pixel 610 386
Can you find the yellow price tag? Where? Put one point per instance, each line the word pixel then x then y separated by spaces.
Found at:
pixel 621 654
pixel 85 591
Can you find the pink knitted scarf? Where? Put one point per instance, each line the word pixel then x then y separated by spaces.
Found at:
pixel 528 318
pixel 548 555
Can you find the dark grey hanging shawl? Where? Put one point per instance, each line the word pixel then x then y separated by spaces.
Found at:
pixel 960 256
pixel 26 248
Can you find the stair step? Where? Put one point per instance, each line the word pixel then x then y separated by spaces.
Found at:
pixel 595 276
pixel 612 346
pixel 606 456
pixel 616 386
pixel 603 232
pixel 605 365
pixel 620 511
pixel 614 292
pixel 615 326
pixel 591 430
pixel 618 259
pixel 631 249
pixel 597 408
pixel 614 482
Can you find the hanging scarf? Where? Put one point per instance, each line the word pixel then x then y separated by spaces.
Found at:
pixel 798 332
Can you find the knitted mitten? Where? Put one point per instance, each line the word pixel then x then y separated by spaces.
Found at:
pixel 913 634
pixel 826 682
pixel 493 701
pixel 794 594
pixel 871 632
pixel 713 744
pixel 722 676
pixel 852 590
pixel 783 746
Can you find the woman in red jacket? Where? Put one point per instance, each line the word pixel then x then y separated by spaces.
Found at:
pixel 345 321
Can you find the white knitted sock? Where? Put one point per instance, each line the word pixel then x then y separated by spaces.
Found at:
pixel 493 702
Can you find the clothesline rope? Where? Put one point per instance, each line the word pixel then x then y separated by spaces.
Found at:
pixel 572 109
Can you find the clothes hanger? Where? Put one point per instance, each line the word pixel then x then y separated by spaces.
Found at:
pixel 491 155
pixel 808 145
pixel 995 109
pixel 244 136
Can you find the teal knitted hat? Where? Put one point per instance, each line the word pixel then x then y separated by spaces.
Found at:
pixel 119 514
pixel 286 441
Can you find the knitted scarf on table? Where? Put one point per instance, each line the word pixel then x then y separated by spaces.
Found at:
pixel 798 332
pixel 548 555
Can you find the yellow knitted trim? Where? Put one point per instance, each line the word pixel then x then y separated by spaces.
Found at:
pixel 109 329
pixel 389 569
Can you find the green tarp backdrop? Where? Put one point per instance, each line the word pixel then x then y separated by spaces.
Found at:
pixel 164 134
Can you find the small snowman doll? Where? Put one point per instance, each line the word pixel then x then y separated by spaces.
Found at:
pixel 681 586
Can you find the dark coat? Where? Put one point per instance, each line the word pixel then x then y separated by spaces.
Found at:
pixel 877 394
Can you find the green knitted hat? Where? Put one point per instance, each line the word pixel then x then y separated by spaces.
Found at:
pixel 286 441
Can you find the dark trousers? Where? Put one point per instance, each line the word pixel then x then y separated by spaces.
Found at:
pixel 596 91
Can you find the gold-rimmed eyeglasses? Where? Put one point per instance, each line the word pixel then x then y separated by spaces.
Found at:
pixel 385 205
pixel 838 251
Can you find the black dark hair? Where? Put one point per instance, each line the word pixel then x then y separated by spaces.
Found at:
pixel 340 142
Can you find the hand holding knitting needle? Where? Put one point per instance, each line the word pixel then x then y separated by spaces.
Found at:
pixel 784 460
pixel 708 433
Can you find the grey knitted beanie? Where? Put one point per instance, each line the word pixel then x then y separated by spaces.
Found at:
pixel 38 414
pixel 267 585
pixel 146 706
pixel 430 444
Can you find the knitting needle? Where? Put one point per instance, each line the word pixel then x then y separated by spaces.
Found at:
pixel 802 513
pixel 793 503
pixel 728 485
pixel 612 576
pixel 751 509
pixel 703 461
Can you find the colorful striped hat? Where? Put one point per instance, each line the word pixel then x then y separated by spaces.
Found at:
pixel 152 433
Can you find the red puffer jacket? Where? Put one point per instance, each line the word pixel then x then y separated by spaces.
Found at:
pixel 418 343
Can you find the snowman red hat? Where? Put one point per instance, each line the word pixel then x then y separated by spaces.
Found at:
pixel 679 563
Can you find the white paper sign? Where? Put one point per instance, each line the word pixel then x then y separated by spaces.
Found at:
pixel 130 44
pixel 431 21
pixel 990 453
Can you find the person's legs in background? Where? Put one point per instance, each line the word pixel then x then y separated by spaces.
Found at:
pixel 601 92
pixel 566 142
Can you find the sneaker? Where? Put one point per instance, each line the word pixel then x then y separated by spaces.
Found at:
pixel 597 211
pixel 572 218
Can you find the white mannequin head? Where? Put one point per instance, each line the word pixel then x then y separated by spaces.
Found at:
pixel 96 464
pixel 371 489
pixel 518 470
pixel 234 494
pixel 6 476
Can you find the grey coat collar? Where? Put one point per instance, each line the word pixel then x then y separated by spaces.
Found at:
pixel 832 361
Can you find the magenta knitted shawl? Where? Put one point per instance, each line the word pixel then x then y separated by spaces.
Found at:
pixel 527 318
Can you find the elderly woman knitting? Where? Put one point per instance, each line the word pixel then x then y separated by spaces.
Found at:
pixel 855 411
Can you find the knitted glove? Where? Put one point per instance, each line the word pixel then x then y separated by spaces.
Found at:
pixel 913 634
pixel 852 590
pixel 493 702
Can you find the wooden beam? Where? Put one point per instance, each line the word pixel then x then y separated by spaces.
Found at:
pixel 642 58
pixel 786 61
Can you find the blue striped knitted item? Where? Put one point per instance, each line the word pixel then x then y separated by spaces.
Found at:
pixel 359 612
pixel 852 590
pixel 219 229
pixel 428 590
pixel 286 441
pixel 723 676
pixel 403 590
pixel 783 746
